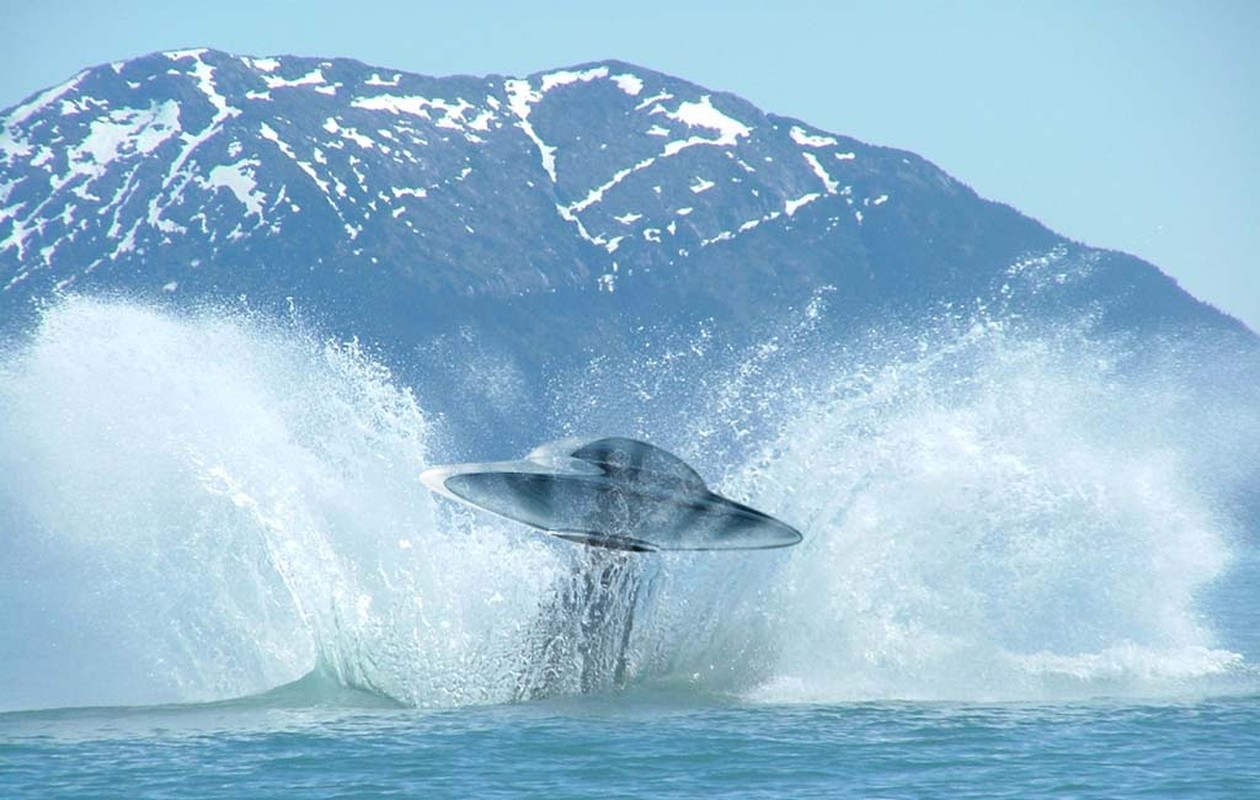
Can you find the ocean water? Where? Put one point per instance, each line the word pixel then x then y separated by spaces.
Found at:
pixel 642 746
pixel 1028 570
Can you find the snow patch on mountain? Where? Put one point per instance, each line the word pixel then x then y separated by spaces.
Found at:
pixel 656 98
pixel 790 207
pixel 565 77
pixel 450 115
pixel 263 64
pixel 831 184
pixel 331 125
pixel 238 178
pixel 123 133
pixel 702 114
pixel 521 97
pixel 701 185
pixel 312 78
pixel 630 84
pixel 597 194
pixel 806 139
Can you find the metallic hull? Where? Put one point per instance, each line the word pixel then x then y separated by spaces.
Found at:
pixel 616 493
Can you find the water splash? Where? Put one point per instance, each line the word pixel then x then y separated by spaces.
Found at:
pixel 994 517
pixel 209 505
pixel 206 506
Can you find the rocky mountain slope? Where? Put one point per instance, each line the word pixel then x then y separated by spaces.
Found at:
pixel 200 173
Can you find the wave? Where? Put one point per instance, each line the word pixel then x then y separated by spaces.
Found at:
pixel 206 505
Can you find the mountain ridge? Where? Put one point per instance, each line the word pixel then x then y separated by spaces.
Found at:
pixel 200 172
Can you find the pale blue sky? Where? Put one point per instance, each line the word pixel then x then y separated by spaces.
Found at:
pixel 1130 125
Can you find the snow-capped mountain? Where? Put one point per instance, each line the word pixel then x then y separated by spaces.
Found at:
pixel 367 192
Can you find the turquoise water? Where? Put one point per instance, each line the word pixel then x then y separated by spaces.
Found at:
pixel 1028 570
pixel 642 746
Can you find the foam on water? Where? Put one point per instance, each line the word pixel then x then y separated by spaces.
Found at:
pixel 209 505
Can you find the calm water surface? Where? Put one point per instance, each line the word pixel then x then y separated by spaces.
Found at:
pixel 642 746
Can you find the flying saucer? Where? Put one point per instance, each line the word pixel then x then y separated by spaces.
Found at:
pixel 615 492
